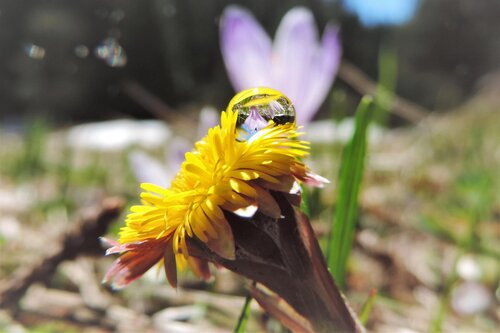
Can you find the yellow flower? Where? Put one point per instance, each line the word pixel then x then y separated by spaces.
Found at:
pixel 226 172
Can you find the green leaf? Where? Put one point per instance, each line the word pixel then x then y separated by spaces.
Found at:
pixel 350 177
pixel 305 202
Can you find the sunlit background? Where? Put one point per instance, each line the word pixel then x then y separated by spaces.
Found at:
pixel 93 90
pixel 69 61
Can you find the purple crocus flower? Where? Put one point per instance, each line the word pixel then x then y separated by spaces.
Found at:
pixel 297 63
pixel 147 169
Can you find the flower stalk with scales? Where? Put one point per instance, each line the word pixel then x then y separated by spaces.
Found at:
pixel 235 203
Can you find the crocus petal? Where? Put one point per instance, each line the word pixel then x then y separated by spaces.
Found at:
pixel 176 151
pixel 148 170
pixel 294 46
pixel 209 117
pixel 322 71
pixel 246 49
pixel 254 122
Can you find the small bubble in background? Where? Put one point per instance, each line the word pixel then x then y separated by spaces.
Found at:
pixel 34 51
pixel 111 52
pixel 81 51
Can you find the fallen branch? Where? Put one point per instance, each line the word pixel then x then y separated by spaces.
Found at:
pixel 81 240
pixel 359 81
pixel 148 100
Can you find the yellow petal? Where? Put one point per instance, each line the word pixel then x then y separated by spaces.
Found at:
pixel 242 187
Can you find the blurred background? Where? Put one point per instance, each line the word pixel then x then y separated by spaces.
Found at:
pixel 429 228
pixel 53 62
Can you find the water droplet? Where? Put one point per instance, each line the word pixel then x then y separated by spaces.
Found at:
pixel 111 52
pixel 81 51
pixel 34 51
pixel 257 106
pixel 117 15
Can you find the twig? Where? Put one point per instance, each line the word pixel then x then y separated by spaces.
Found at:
pixel 82 240
pixel 148 100
pixel 359 81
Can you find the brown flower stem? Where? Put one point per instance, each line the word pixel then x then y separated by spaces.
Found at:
pixel 284 256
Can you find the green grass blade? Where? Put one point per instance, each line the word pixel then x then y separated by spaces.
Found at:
pixel 350 176
pixel 245 313
pixel 366 310
pixel 386 86
pixel 305 202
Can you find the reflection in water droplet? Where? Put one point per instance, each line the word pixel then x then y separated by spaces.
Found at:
pixel 256 107
pixel 34 51
pixel 111 52
pixel 82 51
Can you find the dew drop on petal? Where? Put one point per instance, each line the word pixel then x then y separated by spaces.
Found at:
pixel 111 52
pixel 34 51
pixel 257 106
